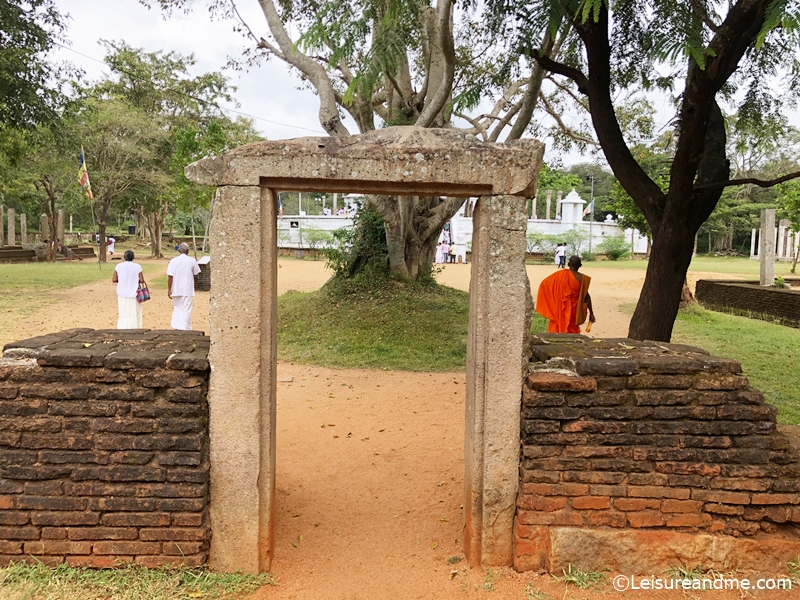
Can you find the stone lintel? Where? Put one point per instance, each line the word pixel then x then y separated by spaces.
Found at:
pixel 395 160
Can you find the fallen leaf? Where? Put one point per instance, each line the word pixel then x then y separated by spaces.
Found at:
pixel 194 593
pixel 444 519
pixel 301 537
pixel 434 545
pixel 381 430
pixel 453 573
pixel 87 345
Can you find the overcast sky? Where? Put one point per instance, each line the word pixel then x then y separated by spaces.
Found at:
pixel 268 91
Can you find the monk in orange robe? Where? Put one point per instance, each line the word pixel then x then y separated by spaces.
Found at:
pixel 564 300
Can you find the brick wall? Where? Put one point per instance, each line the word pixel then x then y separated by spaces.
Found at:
pixel 620 435
pixel 749 297
pixel 104 448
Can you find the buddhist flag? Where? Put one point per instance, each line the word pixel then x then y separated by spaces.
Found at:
pixel 589 208
pixel 83 177
pixel 280 208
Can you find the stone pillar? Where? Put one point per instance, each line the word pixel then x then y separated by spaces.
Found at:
pixel 767 246
pixel 335 202
pixel 70 223
pixel 499 318
pixel 549 200
pixel 558 204
pixel 44 227
pixel 533 208
pixel 2 241
pixel 60 228
pixel 12 234
pixel 241 398
pixel 23 229
pixel 753 247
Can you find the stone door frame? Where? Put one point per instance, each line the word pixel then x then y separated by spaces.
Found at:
pixel 243 317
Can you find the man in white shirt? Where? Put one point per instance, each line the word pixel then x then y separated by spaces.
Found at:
pixel 182 274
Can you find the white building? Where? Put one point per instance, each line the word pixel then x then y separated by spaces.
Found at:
pixel 568 215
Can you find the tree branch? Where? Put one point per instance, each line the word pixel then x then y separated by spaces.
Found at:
pixel 763 183
pixel 260 41
pixel 328 109
pixel 560 68
pixel 442 94
pixel 701 12
pixel 476 125
pixel 563 126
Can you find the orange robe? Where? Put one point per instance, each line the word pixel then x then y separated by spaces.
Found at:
pixel 562 301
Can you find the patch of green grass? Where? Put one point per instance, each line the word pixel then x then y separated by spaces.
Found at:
pixel 737 267
pixel 533 593
pixel 794 570
pixel 769 353
pixel 581 579
pixel 691 573
pixel 26 288
pixel 39 582
pixel 393 326
pixel 538 324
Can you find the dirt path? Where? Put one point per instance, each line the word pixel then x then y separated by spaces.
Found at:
pixel 369 463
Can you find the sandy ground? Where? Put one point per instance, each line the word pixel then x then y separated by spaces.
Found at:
pixel 370 463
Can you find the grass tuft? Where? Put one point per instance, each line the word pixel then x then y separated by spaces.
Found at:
pixel 39 582
pixel 581 579
pixel 533 593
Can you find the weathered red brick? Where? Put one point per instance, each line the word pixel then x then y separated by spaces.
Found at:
pixel 51 503
pixel 645 519
pixel 59 519
pixel 57 547
pixel 19 533
pixel 651 491
pixel 120 547
pixel 102 533
pixel 636 504
pixel 548 489
pixel 721 497
pixel 608 490
pixel 775 499
pixel 10 547
pixel 132 519
pixel 724 509
pixel 681 506
pixel 182 548
pixel 541 503
pixel 752 485
pixel 605 518
pixel 719 381
pixel 591 503
pixel 689 520
pixel 556 382
pixel 187 520
pixel 173 534
pixel 54 533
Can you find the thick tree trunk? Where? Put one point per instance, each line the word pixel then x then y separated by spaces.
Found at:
pixel 413 225
pixel 101 227
pixel 660 298
pixel 155 226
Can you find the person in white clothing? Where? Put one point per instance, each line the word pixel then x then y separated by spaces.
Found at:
pixel 110 243
pixel 127 276
pixel 182 274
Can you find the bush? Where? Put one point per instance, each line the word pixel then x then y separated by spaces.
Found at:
pixel 616 247
pixel 588 256
pixel 314 238
pixel 361 247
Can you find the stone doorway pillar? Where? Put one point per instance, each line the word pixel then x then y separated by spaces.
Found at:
pixel 500 311
pixel 241 395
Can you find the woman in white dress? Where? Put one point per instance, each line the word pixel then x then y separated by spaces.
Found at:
pixel 127 276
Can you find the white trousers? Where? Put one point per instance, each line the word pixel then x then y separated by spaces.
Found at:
pixel 130 313
pixel 182 312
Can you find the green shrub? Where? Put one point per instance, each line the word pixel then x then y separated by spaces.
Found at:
pixel 616 247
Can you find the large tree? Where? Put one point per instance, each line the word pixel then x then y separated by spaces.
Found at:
pixel 709 52
pixel 402 62
pixel 28 81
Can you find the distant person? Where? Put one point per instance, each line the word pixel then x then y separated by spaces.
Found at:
pixel 453 253
pixel 340 212
pixel 445 251
pixel 438 258
pixel 326 211
pixel 562 257
pixel 128 275
pixel 557 256
pixel 563 299
pixel 182 274
pixel 110 243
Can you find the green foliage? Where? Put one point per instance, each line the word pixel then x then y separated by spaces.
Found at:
pixel 780 282
pixel 546 244
pixel 550 179
pixel 368 323
pixel 314 238
pixel 615 247
pixel 40 581
pixel 28 81
pixel 359 248
pixel 581 579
